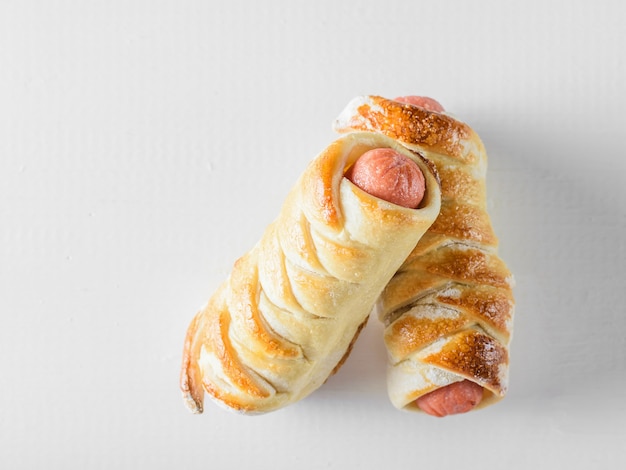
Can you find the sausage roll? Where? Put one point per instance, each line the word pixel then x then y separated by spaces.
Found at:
pixel 291 308
pixel 448 310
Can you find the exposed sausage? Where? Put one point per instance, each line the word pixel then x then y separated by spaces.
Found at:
pixel 389 175
pixel 423 102
pixel 458 397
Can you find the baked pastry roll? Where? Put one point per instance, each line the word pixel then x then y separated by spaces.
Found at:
pixel 292 306
pixel 448 310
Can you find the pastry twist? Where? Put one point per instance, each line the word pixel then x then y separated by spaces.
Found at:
pixel 448 310
pixel 292 306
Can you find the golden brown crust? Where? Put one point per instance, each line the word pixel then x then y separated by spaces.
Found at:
pixel 467 265
pixel 490 307
pixel 217 335
pixel 246 308
pixel 473 355
pixel 464 222
pixel 410 333
pixel 324 188
pixel 414 125
pixel 459 185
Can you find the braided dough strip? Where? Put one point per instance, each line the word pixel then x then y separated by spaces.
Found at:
pixel 292 306
pixel 448 311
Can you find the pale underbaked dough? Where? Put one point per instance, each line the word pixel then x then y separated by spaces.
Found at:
pixel 292 306
pixel 448 311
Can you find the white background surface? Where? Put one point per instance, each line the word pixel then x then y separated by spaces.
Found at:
pixel 145 145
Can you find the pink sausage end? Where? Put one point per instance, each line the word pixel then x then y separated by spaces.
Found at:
pixel 422 101
pixel 458 397
pixel 389 175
